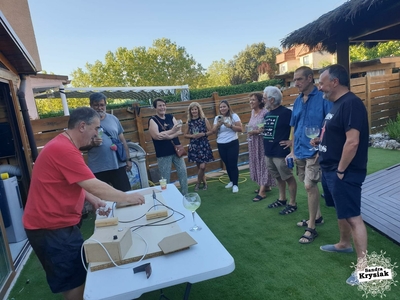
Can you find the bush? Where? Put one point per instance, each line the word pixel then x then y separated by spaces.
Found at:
pixel 393 128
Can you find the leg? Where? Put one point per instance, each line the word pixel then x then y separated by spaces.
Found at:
pixel 292 185
pixel 359 233
pixel 119 179
pixel 232 160
pixel 281 188
pixel 200 174
pixel 164 166
pixel 182 174
pixel 223 153
pixel 74 294
pixel 345 234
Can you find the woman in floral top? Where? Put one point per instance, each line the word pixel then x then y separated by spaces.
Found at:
pixel 199 151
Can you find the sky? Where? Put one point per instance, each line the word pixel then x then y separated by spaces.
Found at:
pixel 71 33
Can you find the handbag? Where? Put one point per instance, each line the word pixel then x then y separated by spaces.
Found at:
pixel 179 149
pixel 120 151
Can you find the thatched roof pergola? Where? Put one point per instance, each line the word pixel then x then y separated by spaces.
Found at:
pixel 353 22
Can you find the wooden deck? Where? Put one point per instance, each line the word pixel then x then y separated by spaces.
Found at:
pixel 380 201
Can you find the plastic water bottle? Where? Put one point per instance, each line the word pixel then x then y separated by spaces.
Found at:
pixel 100 134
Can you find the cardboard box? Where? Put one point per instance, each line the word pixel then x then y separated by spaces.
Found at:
pixel 116 239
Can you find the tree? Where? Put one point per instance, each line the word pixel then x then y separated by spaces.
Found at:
pixel 360 52
pixel 163 64
pixel 218 74
pixel 246 64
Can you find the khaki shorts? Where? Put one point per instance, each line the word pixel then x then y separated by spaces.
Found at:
pixel 277 167
pixel 308 170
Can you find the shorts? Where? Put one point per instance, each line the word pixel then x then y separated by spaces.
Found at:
pixel 308 170
pixel 344 193
pixel 59 252
pixel 277 167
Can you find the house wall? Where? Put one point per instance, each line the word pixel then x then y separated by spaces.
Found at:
pixel 18 15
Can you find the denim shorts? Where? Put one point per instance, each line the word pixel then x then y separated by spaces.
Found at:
pixel 59 252
pixel 345 193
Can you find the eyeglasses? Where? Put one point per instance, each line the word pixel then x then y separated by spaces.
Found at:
pixel 98 105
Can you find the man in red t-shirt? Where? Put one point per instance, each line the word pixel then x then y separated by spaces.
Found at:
pixel 61 181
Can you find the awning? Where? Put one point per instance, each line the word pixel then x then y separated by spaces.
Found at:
pixel 13 49
pixel 134 93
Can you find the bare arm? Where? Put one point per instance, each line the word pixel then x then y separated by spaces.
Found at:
pixel 128 158
pixel 104 191
pixel 237 126
pixel 164 135
pixel 349 149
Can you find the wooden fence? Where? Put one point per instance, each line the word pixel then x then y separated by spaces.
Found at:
pixel 380 94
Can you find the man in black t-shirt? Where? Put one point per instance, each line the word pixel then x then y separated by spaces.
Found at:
pixel 343 159
pixel 277 129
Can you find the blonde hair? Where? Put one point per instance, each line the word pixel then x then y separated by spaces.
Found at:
pixel 189 114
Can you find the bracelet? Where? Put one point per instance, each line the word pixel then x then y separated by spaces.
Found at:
pixel 339 172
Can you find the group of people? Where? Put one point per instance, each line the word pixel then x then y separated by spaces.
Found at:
pixel 337 157
pixel 62 181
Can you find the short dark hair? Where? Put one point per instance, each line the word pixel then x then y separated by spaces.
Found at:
pixel 85 114
pixel 339 72
pixel 307 71
pixel 97 97
pixel 158 100
pixel 259 97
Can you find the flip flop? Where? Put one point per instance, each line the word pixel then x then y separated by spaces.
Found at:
pixel 258 198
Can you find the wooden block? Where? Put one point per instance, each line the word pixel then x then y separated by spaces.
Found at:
pixel 106 222
pixel 117 240
pixel 155 214
pixel 176 242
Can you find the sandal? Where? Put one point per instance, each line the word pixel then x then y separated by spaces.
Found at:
pixel 258 198
pixel 277 203
pixel 288 209
pixel 256 191
pixel 205 186
pixel 196 187
pixel 304 223
pixel 310 238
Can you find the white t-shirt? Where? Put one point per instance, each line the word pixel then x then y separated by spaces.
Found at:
pixel 225 134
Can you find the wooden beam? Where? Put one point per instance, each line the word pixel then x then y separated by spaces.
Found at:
pixel 343 54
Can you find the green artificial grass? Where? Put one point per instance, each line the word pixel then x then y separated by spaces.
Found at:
pixel 270 263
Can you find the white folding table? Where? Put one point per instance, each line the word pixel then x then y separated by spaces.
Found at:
pixel 206 260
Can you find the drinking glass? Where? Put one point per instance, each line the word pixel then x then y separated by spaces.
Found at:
pixel 248 129
pixel 195 130
pixel 192 201
pixel 261 125
pixel 312 132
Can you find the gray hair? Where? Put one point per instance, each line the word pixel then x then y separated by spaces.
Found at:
pixel 82 114
pixel 274 92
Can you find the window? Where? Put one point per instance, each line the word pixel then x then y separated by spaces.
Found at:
pixel 306 60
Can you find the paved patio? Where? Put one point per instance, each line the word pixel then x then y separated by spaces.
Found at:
pixel 380 206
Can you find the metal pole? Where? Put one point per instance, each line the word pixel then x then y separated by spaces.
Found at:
pixel 64 100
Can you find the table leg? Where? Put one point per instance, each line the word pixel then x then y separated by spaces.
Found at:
pixel 187 291
pixel 162 295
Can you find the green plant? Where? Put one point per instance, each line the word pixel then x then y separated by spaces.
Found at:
pixel 393 128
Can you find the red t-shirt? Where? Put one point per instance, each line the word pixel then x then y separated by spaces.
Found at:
pixel 55 200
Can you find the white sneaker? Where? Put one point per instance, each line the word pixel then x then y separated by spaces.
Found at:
pixel 229 185
pixel 235 189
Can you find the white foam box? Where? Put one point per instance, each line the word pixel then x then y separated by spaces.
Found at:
pixel 116 247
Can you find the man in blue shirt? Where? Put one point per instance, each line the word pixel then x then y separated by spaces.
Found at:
pixel 309 110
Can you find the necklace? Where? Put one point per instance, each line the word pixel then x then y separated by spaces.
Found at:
pixel 70 138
